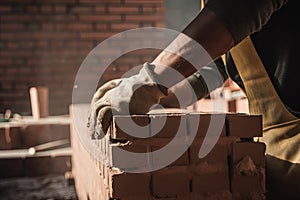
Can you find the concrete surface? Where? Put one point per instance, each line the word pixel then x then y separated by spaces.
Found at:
pixel 50 187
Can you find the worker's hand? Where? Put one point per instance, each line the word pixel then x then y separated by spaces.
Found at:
pixel 134 95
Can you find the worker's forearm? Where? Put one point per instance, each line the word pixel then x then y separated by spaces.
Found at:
pixel 202 41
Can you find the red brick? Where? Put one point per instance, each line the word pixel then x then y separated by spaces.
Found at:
pixel 144 17
pixel 244 125
pixel 215 123
pixel 218 154
pixel 254 181
pixel 99 18
pixel 130 162
pixel 95 35
pixel 183 160
pixel 224 195
pixel 171 183
pixel 114 9
pixel 210 184
pixel 247 184
pixel 168 125
pixel 127 184
pixel 130 127
pixel 256 150
pixel 124 26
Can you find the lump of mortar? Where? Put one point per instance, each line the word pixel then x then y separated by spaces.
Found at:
pixel 246 167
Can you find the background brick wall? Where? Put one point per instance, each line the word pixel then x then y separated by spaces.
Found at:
pixel 43 43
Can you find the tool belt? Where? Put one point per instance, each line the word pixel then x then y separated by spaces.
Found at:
pixel 281 129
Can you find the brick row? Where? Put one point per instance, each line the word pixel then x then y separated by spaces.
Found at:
pixel 167 125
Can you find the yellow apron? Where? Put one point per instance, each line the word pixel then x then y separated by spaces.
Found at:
pixel 281 129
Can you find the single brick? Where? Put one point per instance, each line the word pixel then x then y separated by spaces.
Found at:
pixel 128 184
pixel 248 168
pixel 130 127
pixel 129 157
pixel 168 125
pixel 217 155
pixel 256 151
pixel 171 183
pixel 244 125
pixel 223 195
pixel 212 125
pixel 247 184
pixel 181 161
pixel 210 184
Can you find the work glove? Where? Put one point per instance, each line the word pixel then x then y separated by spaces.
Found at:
pixel 133 95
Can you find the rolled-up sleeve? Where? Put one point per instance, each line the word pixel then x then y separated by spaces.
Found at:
pixel 244 17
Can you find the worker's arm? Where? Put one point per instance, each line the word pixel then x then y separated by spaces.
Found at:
pixel 217 28
pixel 196 86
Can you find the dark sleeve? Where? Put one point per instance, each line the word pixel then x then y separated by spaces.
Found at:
pixel 244 17
pixel 198 83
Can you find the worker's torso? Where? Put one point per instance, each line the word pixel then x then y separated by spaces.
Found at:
pixel 278 45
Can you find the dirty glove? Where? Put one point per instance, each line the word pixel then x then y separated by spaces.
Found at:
pixel 133 95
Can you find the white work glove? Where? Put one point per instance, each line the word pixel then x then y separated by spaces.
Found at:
pixel 133 95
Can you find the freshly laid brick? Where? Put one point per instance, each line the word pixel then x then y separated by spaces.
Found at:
pixel 127 127
pixel 204 122
pixel 244 125
pixel 168 125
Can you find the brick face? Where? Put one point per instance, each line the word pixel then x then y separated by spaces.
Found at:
pixel 45 42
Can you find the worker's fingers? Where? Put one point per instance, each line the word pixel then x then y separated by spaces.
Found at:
pixel 105 88
pixel 103 121
pixel 100 114
pixel 101 99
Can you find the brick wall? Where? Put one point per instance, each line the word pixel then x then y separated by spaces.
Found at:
pixel 234 169
pixel 44 43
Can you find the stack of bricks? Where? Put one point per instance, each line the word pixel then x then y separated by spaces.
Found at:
pixel 233 169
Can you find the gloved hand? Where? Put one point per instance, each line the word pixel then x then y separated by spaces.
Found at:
pixel 133 95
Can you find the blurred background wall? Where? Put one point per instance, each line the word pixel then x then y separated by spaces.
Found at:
pixel 43 42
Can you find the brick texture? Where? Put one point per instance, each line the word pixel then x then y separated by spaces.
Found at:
pixel 45 42
pixel 233 169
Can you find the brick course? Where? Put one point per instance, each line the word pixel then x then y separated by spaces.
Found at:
pixel 227 172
